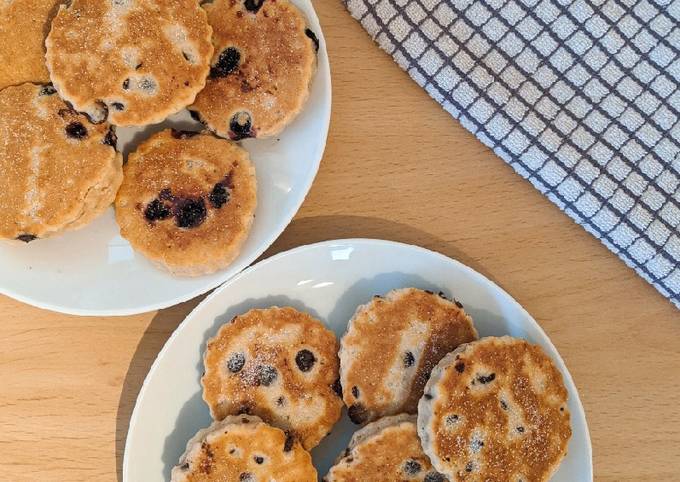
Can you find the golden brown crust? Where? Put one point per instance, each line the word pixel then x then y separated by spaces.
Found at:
pixel 279 364
pixel 59 170
pixel 23 27
pixel 136 61
pixel 244 449
pixel 392 344
pixel 495 409
pixel 261 69
pixel 388 450
pixel 187 201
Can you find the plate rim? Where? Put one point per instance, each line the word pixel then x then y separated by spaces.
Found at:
pixel 346 242
pixel 274 234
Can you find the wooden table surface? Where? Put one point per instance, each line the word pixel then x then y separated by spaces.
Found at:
pixel 396 167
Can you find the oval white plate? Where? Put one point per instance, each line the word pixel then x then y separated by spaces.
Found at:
pixel 95 272
pixel 329 280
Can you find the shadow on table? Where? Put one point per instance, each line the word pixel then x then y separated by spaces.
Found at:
pixel 322 228
pixel 300 231
pixel 159 330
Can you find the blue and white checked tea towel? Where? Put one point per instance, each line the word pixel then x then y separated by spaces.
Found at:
pixel 579 97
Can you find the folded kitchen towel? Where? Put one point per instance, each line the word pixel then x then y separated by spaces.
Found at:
pixel 579 97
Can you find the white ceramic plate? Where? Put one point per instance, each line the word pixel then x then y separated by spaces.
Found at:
pixel 95 272
pixel 329 280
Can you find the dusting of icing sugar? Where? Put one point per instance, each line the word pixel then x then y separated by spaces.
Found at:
pixel 32 197
pixel 269 102
pixel 175 33
pixel 130 56
pixel 413 339
pixel 121 5
pixel 113 22
pixel 177 36
pixel 193 165
pixel 40 108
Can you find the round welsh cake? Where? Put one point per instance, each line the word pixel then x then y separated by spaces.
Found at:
pixel 133 62
pixel 387 449
pixel 495 409
pixel 243 449
pixel 391 345
pixel 59 171
pixel 265 56
pixel 187 201
pixel 279 364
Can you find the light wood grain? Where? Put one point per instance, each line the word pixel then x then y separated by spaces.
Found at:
pixel 396 167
